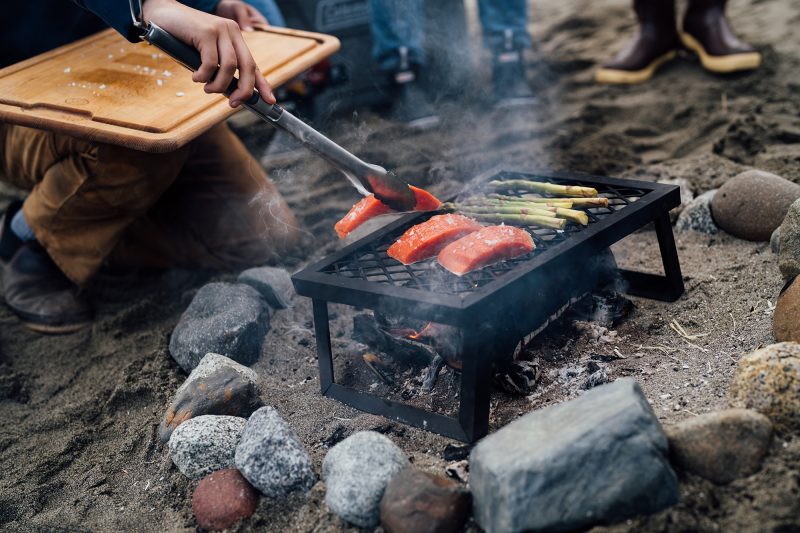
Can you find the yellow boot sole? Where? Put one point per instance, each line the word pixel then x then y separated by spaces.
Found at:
pixel 632 77
pixel 721 64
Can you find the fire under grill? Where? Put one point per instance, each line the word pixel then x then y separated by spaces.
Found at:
pixel 493 307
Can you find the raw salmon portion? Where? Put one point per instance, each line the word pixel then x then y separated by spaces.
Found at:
pixel 427 239
pixel 485 247
pixel 370 207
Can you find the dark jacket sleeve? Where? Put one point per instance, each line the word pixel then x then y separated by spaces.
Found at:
pixel 117 14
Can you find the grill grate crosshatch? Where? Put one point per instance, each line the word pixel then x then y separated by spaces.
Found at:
pixel 372 264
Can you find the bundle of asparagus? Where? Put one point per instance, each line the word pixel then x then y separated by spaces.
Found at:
pixel 548 212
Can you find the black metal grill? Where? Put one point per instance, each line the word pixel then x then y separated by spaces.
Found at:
pixel 495 305
pixel 371 263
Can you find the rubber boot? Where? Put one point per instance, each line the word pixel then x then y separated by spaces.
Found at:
pixel 656 43
pixel 511 88
pixel 410 103
pixel 707 33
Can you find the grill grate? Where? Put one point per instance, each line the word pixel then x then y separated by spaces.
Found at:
pixel 371 263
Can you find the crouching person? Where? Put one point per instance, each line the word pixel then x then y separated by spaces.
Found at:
pixel 207 205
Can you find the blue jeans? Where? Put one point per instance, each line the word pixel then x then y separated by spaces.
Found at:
pixel 270 10
pixel 399 23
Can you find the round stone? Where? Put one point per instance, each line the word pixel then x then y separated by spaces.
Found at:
pixel 205 444
pixel 786 318
pixel 789 243
pixel 356 472
pixel 423 503
pixel 768 381
pixel 752 204
pixel 721 446
pixel 223 498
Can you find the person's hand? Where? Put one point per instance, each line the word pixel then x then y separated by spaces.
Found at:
pixel 244 14
pixel 221 46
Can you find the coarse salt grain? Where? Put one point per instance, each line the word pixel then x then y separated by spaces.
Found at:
pixel 160 82
pixel 102 86
pixel 67 70
pixel 179 93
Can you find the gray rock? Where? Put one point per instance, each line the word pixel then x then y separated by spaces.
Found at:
pixel 696 216
pixel 274 284
pixel 775 241
pixel 217 386
pixel 789 254
pixel 752 204
pixel 271 456
pixel 205 444
pixel 225 318
pixel 596 459
pixel 768 380
pixel 721 446
pixel 356 472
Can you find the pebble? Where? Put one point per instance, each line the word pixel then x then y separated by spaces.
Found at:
pixel 223 498
pixel 599 458
pixel 274 284
pixel 696 216
pixel 205 444
pixel 356 472
pixel 420 502
pixel 217 386
pixel 231 319
pixel 751 205
pixel 786 317
pixel 789 250
pixel 721 446
pixel 768 380
pixel 271 456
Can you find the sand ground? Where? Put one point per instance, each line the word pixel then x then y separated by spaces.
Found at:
pixel 78 414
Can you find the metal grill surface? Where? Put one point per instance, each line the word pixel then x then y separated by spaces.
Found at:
pixel 371 263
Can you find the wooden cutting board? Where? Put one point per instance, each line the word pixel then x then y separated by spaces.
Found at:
pixel 105 89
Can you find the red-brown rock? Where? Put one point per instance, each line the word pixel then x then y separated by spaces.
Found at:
pixel 422 503
pixel 223 498
pixel 786 318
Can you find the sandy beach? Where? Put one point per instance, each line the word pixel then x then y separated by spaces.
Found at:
pixel 79 413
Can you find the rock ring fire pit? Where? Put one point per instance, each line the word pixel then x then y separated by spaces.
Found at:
pixel 494 307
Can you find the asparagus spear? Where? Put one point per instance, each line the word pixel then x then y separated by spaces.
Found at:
pixel 496 198
pixel 550 188
pixel 576 202
pixel 569 214
pixel 529 220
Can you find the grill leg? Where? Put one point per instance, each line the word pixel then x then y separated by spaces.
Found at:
pixel 476 383
pixel 668 287
pixel 323 335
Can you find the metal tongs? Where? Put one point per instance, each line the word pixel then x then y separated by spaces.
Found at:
pixel 366 178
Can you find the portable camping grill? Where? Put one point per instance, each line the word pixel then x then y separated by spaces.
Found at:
pixel 494 306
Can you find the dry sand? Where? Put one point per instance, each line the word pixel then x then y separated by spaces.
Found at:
pixel 78 414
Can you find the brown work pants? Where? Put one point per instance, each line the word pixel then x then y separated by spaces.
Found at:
pixel 207 205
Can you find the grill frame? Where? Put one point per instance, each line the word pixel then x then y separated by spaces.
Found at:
pixel 507 298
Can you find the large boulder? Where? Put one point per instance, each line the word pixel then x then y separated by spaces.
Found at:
pixel 751 205
pixel 721 446
pixel 223 498
pixel 205 444
pixel 789 244
pixel 271 456
pixel 274 284
pixel 356 472
pixel 597 459
pixel 423 503
pixel 768 380
pixel 226 318
pixel 217 386
pixel 696 216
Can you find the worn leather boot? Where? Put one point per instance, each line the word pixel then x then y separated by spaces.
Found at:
pixel 35 289
pixel 410 104
pixel 511 88
pixel 656 43
pixel 707 33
